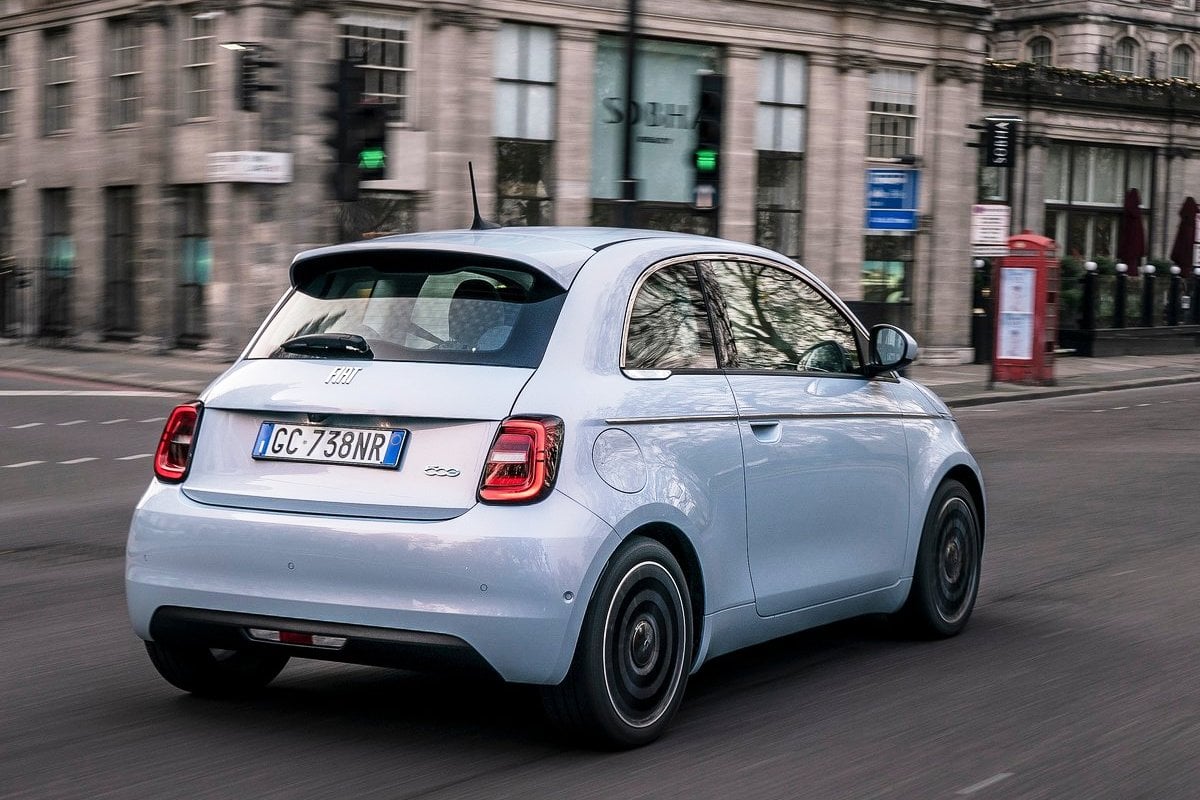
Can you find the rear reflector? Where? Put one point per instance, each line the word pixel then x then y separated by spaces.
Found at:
pixel 174 453
pixel 293 637
pixel 523 461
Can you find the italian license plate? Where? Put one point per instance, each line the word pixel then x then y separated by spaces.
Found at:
pixel 323 444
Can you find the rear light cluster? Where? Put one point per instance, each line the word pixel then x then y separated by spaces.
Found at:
pixel 523 461
pixel 174 452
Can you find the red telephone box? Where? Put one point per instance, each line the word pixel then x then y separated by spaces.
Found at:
pixel 1026 285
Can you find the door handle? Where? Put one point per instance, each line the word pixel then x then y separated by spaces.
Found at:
pixel 767 431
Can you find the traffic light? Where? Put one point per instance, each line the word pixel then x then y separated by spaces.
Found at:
pixel 372 145
pixel 251 62
pixel 706 159
pixel 348 85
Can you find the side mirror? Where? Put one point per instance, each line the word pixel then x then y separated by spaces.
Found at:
pixel 891 348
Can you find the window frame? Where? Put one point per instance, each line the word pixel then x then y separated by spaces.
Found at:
pixel 199 63
pixel 878 96
pixel 1040 50
pixel 358 34
pixel 58 80
pixel 125 77
pixel 693 262
pixel 7 90
pixel 1127 53
pixel 524 83
pixel 1188 55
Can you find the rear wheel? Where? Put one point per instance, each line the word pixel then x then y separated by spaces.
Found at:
pixel 946 575
pixel 634 652
pixel 215 673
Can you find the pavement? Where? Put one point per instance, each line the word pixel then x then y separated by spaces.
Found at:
pixel 188 372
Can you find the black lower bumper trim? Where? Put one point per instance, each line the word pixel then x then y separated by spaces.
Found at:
pixel 380 647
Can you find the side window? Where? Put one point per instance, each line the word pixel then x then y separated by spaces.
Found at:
pixel 780 322
pixel 668 326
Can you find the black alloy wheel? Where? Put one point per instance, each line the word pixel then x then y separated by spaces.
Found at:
pixel 634 652
pixel 946 575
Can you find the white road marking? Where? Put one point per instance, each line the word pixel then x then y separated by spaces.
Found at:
pixel 986 783
pixel 153 419
pixel 78 460
pixel 115 421
pixel 27 425
pixel 72 422
pixel 23 464
pixel 1118 408
pixel 135 457
pixel 85 393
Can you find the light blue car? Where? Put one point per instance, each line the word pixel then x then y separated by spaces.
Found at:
pixel 587 459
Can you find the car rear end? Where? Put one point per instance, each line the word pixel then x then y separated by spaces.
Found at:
pixel 355 489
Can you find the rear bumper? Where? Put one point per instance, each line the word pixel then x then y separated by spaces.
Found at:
pixel 510 583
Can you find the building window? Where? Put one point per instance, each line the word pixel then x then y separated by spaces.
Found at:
pixel 59 80
pixel 120 310
pixel 892 117
pixel 58 263
pixel 125 83
pixel 524 124
pixel 1041 51
pixel 780 132
pixel 382 48
pixel 6 90
pixel 195 264
pixel 1181 62
pixel 1125 57
pixel 1085 189
pixel 198 67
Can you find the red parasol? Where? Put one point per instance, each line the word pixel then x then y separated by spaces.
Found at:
pixel 1131 239
pixel 1185 237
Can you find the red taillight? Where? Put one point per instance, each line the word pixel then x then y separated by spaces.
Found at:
pixel 175 445
pixel 523 461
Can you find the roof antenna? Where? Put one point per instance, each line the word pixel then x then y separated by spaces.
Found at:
pixel 479 223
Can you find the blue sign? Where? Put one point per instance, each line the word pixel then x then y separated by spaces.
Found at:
pixel 892 199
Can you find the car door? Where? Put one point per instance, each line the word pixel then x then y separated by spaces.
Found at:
pixel 826 462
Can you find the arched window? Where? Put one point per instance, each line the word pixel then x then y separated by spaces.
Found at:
pixel 1181 62
pixel 1125 57
pixel 1041 51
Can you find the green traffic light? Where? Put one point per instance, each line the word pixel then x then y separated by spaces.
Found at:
pixel 706 159
pixel 372 158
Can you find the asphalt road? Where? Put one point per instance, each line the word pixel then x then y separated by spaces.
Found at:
pixel 1077 677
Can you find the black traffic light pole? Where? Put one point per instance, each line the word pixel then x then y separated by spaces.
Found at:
pixel 628 201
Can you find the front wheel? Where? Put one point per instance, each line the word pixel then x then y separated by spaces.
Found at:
pixel 634 652
pixel 215 673
pixel 946 575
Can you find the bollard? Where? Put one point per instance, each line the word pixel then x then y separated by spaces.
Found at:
pixel 1148 296
pixel 1087 320
pixel 1173 294
pixel 1118 320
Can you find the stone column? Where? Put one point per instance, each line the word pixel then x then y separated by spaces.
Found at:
pixel 942 285
pixel 739 170
pixel 457 85
pixel 573 137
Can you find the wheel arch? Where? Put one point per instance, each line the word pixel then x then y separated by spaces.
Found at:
pixel 971 482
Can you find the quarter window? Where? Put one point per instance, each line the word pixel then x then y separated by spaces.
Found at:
pixel 779 321
pixel 668 326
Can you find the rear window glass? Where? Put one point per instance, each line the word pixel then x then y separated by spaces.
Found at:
pixel 419 307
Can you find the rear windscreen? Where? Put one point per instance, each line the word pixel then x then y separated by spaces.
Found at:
pixel 419 307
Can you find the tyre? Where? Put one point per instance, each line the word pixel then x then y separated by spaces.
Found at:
pixel 946 574
pixel 634 652
pixel 215 673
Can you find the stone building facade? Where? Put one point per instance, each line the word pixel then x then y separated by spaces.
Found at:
pixel 140 204
pixel 1107 94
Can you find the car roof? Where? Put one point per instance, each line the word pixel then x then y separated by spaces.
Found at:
pixel 558 252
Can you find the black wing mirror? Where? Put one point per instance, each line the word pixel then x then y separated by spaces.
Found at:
pixel 891 349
